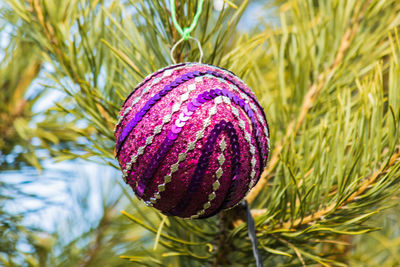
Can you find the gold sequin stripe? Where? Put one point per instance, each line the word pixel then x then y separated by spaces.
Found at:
pixel 167 118
pixel 247 99
pixel 227 72
pixel 251 104
pixel 262 120
pixel 247 137
pixel 242 124
pixel 216 184
pixel 182 156
pixel 155 81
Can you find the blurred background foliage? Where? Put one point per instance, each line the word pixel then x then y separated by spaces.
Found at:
pixel 23 130
pixel 326 72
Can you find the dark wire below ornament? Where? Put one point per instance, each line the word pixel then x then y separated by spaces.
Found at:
pixel 252 235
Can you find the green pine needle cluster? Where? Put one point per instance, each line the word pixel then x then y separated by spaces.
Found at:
pixel 328 77
pixel 19 67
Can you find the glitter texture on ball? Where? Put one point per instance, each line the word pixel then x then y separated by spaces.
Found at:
pixel 192 140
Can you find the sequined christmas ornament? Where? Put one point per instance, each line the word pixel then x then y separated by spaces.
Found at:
pixel 192 140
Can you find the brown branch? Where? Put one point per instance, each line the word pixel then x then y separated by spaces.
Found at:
pixel 309 99
pixel 53 41
pixel 47 28
pixel 94 249
pixel 17 104
pixel 318 215
pixel 224 247
pixel 100 234
pixel 28 74
pixel 51 36
pixel 332 207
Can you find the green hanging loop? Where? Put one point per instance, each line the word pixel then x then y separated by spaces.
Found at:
pixel 185 33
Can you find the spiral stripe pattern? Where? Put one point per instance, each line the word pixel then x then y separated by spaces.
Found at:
pixel 192 140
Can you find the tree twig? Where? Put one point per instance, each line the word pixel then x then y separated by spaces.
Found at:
pixel 221 258
pixel 319 214
pixel 292 247
pixel 308 101
pixel 364 186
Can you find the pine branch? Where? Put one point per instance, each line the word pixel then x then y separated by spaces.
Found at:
pixel 309 99
pixel 223 247
pixel 296 250
pixel 366 184
pixel 326 76
pixel 95 248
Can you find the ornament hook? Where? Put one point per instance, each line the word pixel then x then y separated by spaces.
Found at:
pixel 180 41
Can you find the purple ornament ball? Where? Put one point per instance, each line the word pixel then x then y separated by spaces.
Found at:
pixel 192 140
